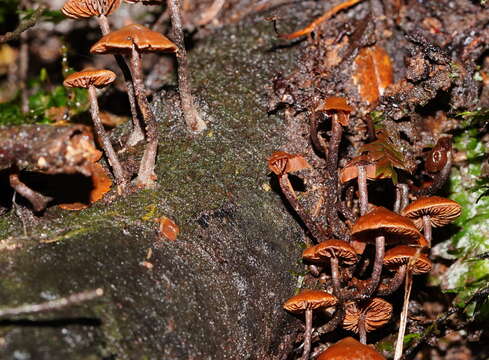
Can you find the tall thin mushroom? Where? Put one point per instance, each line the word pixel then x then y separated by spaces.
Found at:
pixel 133 40
pixel 90 79
pixel 80 9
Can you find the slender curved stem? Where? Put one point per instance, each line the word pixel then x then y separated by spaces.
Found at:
pixel 37 200
pixel 336 320
pixel 307 335
pixel 119 173
pixel 427 231
pixel 362 331
pixel 335 276
pixel 377 270
pixel 392 284
pixel 362 189
pixel 334 143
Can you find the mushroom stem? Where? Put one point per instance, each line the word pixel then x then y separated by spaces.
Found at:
pixel 192 118
pixel 404 194
pixel 427 231
pixel 335 276
pixel 137 132
pixel 332 324
pixel 119 173
pixel 38 201
pixel 146 174
pixel 316 231
pixel 334 143
pixel 316 140
pixel 362 189
pixel 307 335
pixel 404 313
pixel 362 331
pixel 377 270
pixel 394 283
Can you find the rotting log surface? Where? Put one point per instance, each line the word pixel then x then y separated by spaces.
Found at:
pixel 215 292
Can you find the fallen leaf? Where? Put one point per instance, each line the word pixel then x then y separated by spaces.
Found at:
pixel 372 73
pixel 168 228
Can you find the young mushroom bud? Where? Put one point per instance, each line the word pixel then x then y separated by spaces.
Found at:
pixel 433 211
pixel 90 79
pixel 306 302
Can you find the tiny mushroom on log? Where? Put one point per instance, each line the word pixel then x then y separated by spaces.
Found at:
pixel 90 79
pixel 384 226
pixel 306 302
pixel 399 258
pixel 134 40
pixel 433 211
pixel 350 349
pixel 375 314
pixel 281 164
pixel 336 251
pixel 79 9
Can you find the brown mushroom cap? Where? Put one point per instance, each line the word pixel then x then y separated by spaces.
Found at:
pixel 335 103
pixel 350 170
pixel 145 40
pixel 77 9
pixel 326 249
pixel 309 300
pixel 402 255
pixel 88 77
pixel 350 349
pixel 442 211
pixel 377 313
pixel 281 162
pixel 383 222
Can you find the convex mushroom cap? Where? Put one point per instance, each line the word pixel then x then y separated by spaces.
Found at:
pixel 336 104
pixel 77 9
pixel 441 211
pixel 403 255
pixel 281 162
pixel 329 248
pixel 377 312
pixel 121 41
pixel 383 222
pixel 310 300
pixel 350 349
pixel 89 77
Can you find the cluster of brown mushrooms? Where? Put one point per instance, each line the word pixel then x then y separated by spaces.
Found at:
pixel 127 45
pixel 380 252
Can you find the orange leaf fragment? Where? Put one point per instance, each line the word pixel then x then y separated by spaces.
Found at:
pixel 101 185
pixel 168 228
pixel 372 73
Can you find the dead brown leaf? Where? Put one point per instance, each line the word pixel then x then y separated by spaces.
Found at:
pixel 168 229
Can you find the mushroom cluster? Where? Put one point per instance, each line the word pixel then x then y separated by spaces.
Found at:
pixel 382 247
pixel 127 45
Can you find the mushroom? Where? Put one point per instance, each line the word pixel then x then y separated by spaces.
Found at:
pixel 306 302
pixel 375 314
pixel 398 259
pixel 134 40
pixel 381 225
pixel 335 251
pixel 79 9
pixel 433 211
pixel 281 164
pixel 361 168
pixel 90 79
pixel 350 349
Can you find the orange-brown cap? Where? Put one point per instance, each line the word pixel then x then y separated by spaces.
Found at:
pixel 350 171
pixel 442 211
pixel 326 249
pixel 78 9
pixel 281 162
pixel 377 312
pixel 335 103
pixel 402 255
pixel 383 222
pixel 309 300
pixel 145 40
pixel 350 349
pixel 89 77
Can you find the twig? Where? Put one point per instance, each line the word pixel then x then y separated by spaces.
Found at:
pixel 24 25
pixel 53 304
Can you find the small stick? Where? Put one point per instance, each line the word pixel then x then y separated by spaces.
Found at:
pixel 403 321
pixel 52 304
pixel 193 120
pixel 24 25
pixel 38 201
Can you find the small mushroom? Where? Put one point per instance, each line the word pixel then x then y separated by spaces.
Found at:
pixel 134 40
pixel 336 251
pixel 433 211
pixel 384 226
pixel 398 258
pixel 350 349
pixel 90 79
pixel 375 314
pixel 281 164
pixel 361 168
pixel 306 302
